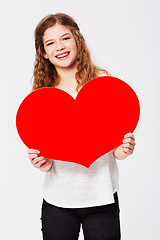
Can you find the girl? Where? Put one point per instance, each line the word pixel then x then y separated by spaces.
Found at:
pixel 72 194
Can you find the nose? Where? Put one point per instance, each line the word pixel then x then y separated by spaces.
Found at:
pixel 60 46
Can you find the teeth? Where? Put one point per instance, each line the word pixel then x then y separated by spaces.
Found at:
pixel 63 55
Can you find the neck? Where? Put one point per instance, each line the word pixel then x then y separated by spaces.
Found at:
pixel 67 76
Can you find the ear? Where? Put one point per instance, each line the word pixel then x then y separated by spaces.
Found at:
pixel 45 55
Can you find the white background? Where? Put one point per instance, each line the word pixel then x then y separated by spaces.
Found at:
pixel 124 38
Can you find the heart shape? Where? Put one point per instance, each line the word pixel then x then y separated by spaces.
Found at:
pixel 78 130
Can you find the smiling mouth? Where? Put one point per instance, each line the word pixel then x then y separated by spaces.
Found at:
pixel 63 56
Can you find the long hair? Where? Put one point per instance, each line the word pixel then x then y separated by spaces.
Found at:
pixel 45 74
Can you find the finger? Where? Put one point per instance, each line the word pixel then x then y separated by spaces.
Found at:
pixel 128 145
pixel 30 151
pixel 129 140
pixel 40 163
pixel 127 151
pixel 32 156
pixel 129 135
pixel 38 159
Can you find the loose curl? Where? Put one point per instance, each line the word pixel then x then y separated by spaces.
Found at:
pixel 45 74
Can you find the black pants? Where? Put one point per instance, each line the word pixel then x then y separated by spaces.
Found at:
pixel 98 223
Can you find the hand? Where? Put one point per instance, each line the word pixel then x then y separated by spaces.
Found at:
pixel 37 161
pixel 128 143
pixel 126 148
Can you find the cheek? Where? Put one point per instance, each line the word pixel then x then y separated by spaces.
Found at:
pixel 49 50
pixel 73 46
pixel 75 49
pixel 45 52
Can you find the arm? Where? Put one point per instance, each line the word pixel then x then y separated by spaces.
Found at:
pixel 126 148
pixel 37 161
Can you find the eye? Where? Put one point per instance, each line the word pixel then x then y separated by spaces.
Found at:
pixel 66 38
pixel 50 43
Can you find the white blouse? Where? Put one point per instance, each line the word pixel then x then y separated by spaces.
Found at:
pixel 71 185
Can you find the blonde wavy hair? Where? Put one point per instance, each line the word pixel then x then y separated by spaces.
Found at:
pixel 45 74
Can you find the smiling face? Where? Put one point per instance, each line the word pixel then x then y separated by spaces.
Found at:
pixel 60 46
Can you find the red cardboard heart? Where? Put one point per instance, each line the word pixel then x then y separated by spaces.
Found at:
pixel 78 130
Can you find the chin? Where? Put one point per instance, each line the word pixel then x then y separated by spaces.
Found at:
pixel 69 65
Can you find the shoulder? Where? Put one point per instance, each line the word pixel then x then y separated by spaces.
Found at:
pixel 103 72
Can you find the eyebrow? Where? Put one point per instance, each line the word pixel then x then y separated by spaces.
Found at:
pixel 61 36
